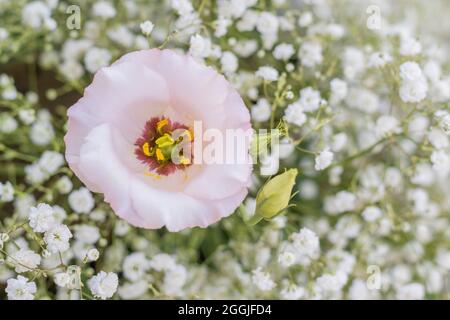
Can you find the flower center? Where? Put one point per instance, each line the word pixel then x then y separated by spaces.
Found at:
pixel 164 146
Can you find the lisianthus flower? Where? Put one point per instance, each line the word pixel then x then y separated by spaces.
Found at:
pixel 120 138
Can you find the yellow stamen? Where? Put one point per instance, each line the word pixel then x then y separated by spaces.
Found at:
pixel 184 160
pixel 153 175
pixel 159 155
pixel 164 141
pixel 161 124
pixel 146 149
pixel 190 135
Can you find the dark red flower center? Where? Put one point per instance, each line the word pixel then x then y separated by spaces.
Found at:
pixel 165 146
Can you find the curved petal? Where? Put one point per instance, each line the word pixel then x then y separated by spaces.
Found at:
pixel 112 177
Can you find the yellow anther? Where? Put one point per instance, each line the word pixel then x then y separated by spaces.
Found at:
pixel 146 149
pixel 190 135
pixel 153 175
pixel 185 161
pixel 164 141
pixel 161 124
pixel 159 155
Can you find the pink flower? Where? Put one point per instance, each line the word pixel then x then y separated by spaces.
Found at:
pixel 119 140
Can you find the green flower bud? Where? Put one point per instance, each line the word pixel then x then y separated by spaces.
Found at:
pixel 274 196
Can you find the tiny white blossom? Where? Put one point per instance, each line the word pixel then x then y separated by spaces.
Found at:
pixel 412 291
pixel 310 99
pixel 81 200
pixel 35 14
pixel 135 265
pixel 306 242
pixel 61 279
pixel 6 192
pixel 20 289
pixel 261 111
pixel 104 9
pixel 147 27
pixel 93 255
pixel 267 23
pixel 410 46
pixel 294 114
pixel 267 73
pixel 57 238
pixel 51 161
pixel 64 185
pixel 7 124
pixel 262 280
pixel 199 46
pixel 103 285
pixel 387 125
pixel 96 58
pixel 229 62
pixel 292 292
pixel 42 218
pixel 24 260
pixel 324 159
pixel 310 54
pixel 41 132
pixel 286 259
pixel 283 51
pixel 372 214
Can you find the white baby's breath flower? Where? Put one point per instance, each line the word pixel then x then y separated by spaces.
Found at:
pixel 81 200
pixel 92 255
pixel 24 260
pixel 104 9
pixel 35 14
pixel 64 185
pixel 387 125
pixel 135 266
pixel 42 218
pixel 57 238
pixel 292 292
pixel 267 73
pixel 147 27
pixel 96 58
pixel 412 291
pixel 267 23
pixel 51 161
pixel 103 285
pixel 283 51
pixel 371 214
pixel 324 159
pixel 410 46
pixel 61 279
pixel 20 289
pixel 310 99
pixel 199 46
pixel 305 19
pixel 306 242
pixel 6 192
pixel 27 116
pixel 441 162
pixel 262 280
pixel 41 132
pixel 261 111
pixel 286 259
pixel 310 54
pixel 7 123
pixel 229 62
pixel 86 233
pixel 339 90
pixel 294 114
